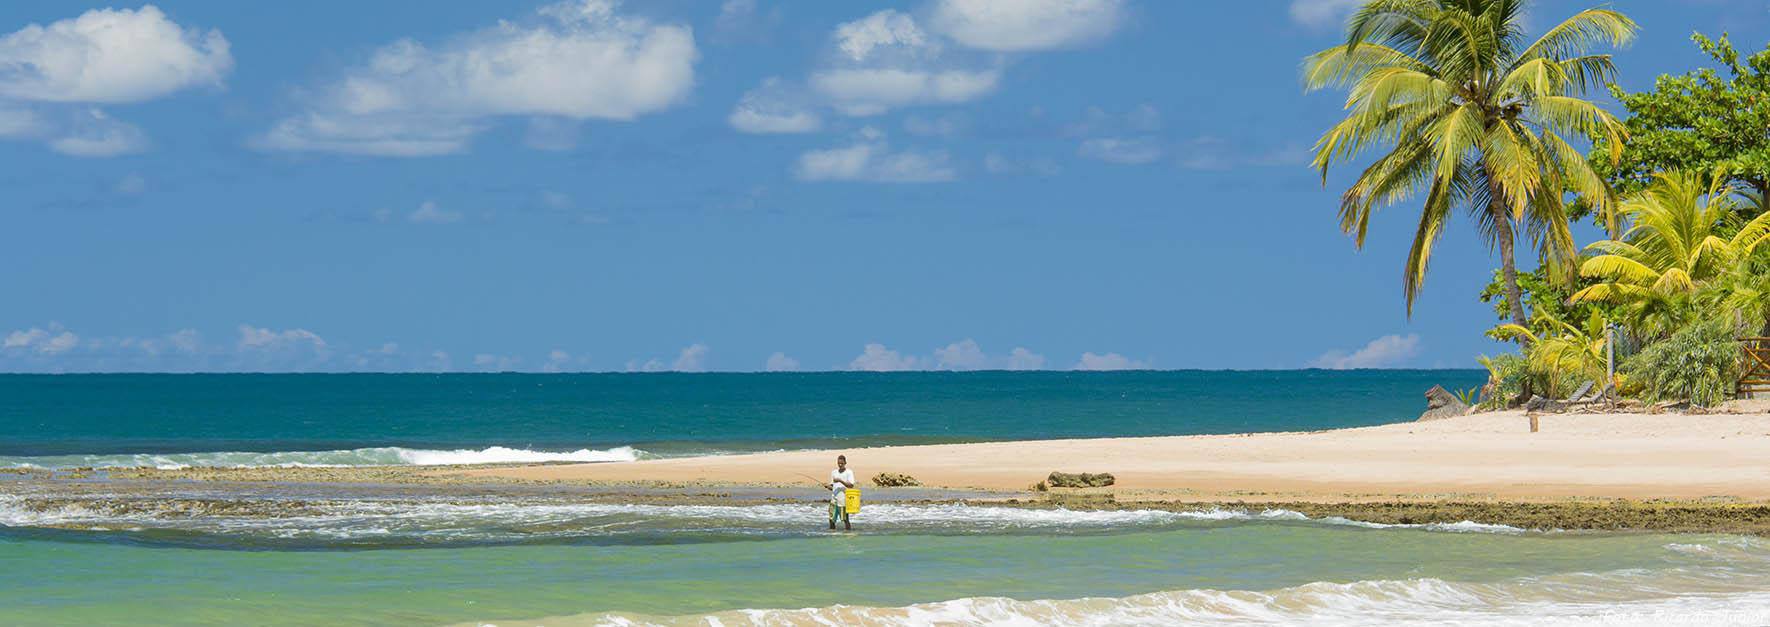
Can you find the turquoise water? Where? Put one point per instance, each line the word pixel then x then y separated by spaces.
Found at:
pixel 964 564
pixel 97 552
pixel 371 418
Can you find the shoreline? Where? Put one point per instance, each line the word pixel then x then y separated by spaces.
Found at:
pixel 1485 456
pixel 1665 472
pixel 220 494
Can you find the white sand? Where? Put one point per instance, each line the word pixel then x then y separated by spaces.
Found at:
pixel 1482 456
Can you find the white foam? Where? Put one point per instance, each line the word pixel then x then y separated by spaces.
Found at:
pixel 374 456
pixel 1575 599
pixel 499 521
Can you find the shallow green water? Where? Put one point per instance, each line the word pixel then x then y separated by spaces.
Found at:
pixel 64 577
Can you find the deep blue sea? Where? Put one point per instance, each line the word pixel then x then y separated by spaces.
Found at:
pixel 259 419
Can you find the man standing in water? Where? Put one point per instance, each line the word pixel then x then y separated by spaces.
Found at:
pixel 841 479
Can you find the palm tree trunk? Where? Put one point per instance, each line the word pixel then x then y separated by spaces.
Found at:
pixel 1502 227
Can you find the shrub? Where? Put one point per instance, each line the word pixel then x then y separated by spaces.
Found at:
pixel 1700 364
pixel 1506 375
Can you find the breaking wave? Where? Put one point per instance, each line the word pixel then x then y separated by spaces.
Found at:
pixel 404 522
pixel 375 456
pixel 1635 597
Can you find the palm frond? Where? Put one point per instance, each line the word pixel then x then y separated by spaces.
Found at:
pixel 1576 34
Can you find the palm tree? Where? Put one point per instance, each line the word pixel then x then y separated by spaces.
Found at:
pixel 1677 238
pixel 1476 116
pixel 1561 353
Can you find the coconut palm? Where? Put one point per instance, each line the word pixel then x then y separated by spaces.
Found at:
pixel 1744 291
pixel 1682 234
pixel 1562 354
pixel 1476 116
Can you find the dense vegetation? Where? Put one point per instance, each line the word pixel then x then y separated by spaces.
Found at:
pixel 1466 111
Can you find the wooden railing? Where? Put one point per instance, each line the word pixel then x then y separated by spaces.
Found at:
pixel 1757 366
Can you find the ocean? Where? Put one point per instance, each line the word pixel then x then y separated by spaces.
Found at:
pixel 93 551
pixel 357 419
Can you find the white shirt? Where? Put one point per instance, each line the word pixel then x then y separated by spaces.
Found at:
pixel 839 492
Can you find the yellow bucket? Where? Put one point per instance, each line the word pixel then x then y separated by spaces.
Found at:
pixel 853 504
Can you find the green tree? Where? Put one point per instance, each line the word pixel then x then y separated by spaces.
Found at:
pixel 1562 355
pixel 1698 122
pixel 1683 235
pixel 1474 114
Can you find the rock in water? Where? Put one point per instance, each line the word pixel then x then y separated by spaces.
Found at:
pixel 894 480
pixel 1079 480
pixel 1441 404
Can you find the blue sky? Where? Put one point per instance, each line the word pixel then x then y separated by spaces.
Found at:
pixel 418 185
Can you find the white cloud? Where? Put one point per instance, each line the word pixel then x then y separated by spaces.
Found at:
pixel 888 28
pixel 885 60
pixel 575 60
pixel 888 59
pixel 877 358
pixel 1026 25
pixel 870 159
pixel 1109 361
pixel 780 362
pixel 962 355
pixel 773 107
pixel 93 133
pixel 692 359
pixel 1383 352
pixel 428 213
pixel 186 340
pixel 262 339
pixel 872 91
pixel 1023 359
pixel 740 20
pixel 1132 151
pixel 103 56
pixel 109 56
pixel 381 136
pixel 556 361
pixel 52 341
pixel 1323 14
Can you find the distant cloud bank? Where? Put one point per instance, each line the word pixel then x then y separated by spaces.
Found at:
pixel 1383 352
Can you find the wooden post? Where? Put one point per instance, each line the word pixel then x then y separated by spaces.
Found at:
pixel 1533 424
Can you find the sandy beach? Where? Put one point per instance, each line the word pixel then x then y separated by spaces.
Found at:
pixel 1482 456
